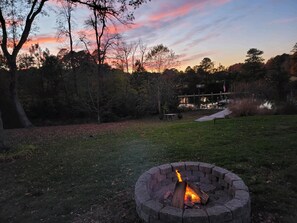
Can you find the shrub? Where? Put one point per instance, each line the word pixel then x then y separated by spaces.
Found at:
pixel 248 107
pixel 244 107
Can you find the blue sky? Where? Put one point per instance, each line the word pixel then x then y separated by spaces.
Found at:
pixel 222 30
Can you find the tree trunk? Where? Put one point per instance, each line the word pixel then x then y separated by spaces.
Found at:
pixel 159 100
pixel 99 91
pixel 71 53
pixel 2 144
pixel 25 122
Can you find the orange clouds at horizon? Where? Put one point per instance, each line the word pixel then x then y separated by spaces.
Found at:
pixel 44 39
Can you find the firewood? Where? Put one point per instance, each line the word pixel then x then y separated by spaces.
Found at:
pixel 203 196
pixel 179 194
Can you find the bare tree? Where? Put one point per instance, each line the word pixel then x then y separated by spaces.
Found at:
pixel 129 56
pixel 65 23
pixel 160 58
pixel 122 53
pixel 127 50
pixel 16 19
pixel 142 49
pixel 118 58
pixel 104 14
pixel 96 86
pixel 133 53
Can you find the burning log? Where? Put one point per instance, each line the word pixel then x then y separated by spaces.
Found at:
pixel 187 194
pixel 202 195
pixel 179 194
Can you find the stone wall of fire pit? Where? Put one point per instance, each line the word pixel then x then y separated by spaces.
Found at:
pixel 229 200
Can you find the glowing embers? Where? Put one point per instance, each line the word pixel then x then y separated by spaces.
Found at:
pixel 187 194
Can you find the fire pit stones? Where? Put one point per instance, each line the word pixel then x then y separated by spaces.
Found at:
pixel 237 209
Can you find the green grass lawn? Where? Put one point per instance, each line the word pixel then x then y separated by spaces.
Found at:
pixel 90 175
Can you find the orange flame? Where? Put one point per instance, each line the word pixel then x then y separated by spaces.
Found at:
pixel 178 175
pixel 191 196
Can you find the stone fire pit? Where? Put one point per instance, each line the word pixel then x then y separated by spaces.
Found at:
pixel 229 199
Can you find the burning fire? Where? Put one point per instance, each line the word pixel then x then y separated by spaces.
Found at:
pixel 190 194
pixel 179 178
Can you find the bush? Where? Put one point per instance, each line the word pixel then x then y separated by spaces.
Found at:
pixel 244 107
pixel 248 107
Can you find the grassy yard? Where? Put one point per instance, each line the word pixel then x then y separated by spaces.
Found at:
pixel 86 173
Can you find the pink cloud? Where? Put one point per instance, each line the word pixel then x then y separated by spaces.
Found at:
pixel 185 8
pixel 165 17
pixel 172 13
pixel 221 2
pixel 120 28
pixel 112 29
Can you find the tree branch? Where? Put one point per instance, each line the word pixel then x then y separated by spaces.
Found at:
pixel 29 20
pixel 4 36
pixel 91 5
pixel 32 9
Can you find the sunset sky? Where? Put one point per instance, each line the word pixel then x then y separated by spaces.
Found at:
pixel 222 30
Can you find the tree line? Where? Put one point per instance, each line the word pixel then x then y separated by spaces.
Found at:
pixel 65 86
pixel 110 78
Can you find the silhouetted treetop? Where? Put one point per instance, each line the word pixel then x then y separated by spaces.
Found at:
pixel 207 65
pixel 160 58
pixel 254 56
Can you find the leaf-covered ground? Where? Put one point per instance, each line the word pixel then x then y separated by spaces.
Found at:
pixel 87 173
